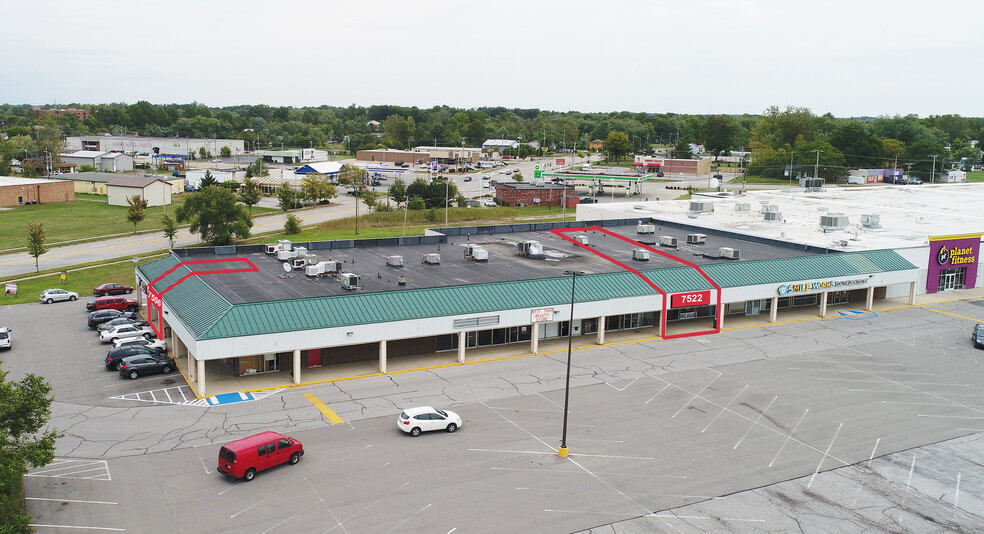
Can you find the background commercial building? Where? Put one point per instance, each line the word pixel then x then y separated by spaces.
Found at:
pixel 16 191
pixel 100 160
pixel 135 144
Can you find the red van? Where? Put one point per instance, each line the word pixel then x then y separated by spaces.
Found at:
pixel 244 457
pixel 112 303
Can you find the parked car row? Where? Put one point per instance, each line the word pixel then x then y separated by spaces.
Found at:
pixel 50 296
pixel 135 350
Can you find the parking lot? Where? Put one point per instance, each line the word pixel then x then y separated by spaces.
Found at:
pixel 834 424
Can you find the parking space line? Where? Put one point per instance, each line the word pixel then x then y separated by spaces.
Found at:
pixel 791 432
pixel 657 393
pixel 711 518
pixel 825 453
pixel 724 409
pixel 696 395
pixel 76 527
pixel 68 500
pixel 169 399
pixel 757 419
pixel 333 417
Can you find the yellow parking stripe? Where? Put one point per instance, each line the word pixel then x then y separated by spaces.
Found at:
pixel 955 315
pixel 331 415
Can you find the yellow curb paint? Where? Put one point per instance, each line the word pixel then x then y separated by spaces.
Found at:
pixel 323 408
pixel 955 315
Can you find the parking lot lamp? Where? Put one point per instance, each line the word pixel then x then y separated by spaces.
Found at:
pixel 570 339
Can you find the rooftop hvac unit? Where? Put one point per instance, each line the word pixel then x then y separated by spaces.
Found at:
pixel 394 261
pixel 350 281
pixel 431 259
pixel 581 239
pixel 729 253
pixel 323 268
pixel 530 249
pixel 285 255
pixel 283 244
pixel 476 253
pixel 696 239
pixel 842 242
pixel 640 254
pixel 301 251
pixel 834 221
pixel 646 228
pixel 667 241
pixel 743 206
pixel 769 208
pixel 701 206
pixel 871 221
pixel 301 262
pixel 773 216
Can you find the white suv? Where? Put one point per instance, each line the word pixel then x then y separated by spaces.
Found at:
pixel 4 338
pixel 124 331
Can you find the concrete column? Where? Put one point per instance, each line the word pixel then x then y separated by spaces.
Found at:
pixel 869 301
pixel 297 366
pixel 823 304
pixel 601 331
pixel 719 317
pixel 173 343
pixel 461 347
pixel 382 356
pixel 912 293
pixel 535 338
pixel 191 366
pixel 774 310
pixel 201 377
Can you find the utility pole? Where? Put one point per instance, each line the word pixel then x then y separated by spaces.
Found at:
pixel 817 166
pixel 932 178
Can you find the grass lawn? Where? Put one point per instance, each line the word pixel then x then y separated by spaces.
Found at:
pixel 975 176
pixel 80 278
pixel 87 217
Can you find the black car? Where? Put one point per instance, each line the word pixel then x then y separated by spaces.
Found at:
pixel 659 174
pixel 101 316
pixel 120 320
pixel 135 366
pixel 588 200
pixel 114 358
pixel 977 336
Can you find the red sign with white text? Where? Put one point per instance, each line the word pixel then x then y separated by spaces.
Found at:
pixel 687 300
pixel 560 161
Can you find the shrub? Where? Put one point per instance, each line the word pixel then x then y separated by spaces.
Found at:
pixel 292 225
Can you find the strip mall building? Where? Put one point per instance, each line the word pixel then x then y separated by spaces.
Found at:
pixel 301 308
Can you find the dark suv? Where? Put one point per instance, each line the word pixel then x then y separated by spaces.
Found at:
pixel 101 316
pixel 115 356
pixel 977 336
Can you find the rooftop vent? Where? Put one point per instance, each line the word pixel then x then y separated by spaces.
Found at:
pixel 530 249
pixel 323 268
pixel 743 206
pixel 640 254
pixel 772 216
pixel 431 259
pixel 834 221
pixel 581 239
pixel 645 228
pixel 667 241
pixel 729 253
pixel 769 208
pixel 696 239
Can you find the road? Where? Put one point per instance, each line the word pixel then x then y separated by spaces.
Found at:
pixel 867 423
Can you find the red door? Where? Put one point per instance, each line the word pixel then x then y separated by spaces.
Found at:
pixel 314 358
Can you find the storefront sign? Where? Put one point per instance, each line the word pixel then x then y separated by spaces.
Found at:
pixel 805 287
pixel 687 300
pixel 952 254
pixel 541 315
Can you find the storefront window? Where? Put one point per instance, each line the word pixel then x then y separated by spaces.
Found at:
pixel 952 278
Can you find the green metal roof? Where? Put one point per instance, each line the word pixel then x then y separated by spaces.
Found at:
pixel 211 316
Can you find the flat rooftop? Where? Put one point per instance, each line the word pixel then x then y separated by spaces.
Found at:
pixel 908 215
pixel 272 283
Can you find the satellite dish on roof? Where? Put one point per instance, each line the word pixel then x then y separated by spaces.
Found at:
pixel 287 267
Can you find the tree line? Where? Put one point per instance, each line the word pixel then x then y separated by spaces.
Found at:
pixel 772 137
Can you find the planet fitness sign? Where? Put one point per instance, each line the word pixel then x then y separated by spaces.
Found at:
pixel 953 252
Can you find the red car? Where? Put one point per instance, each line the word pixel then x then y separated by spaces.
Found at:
pixel 112 289
pixel 112 303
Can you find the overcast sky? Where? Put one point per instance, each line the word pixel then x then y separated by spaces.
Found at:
pixel 848 58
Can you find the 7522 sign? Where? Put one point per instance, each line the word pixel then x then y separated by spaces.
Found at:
pixel 688 300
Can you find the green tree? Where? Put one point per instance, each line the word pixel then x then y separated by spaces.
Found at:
pixel 416 203
pixel 518 177
pixel 398 191
pixel 369 198
pixel 682 150
pixel 616 145
pixel 208 180
pixel 859 145
pixel 36 236
pixel 249 193
pixel 292 225
pixel 893 149
pixel 25 408
pixel 225 152
pixel 215 216
pixel 88 168
pixel 170 228
pixel 719 134
pixel 351 177
pixel 287 196
pixel 317 188
pixel 137 211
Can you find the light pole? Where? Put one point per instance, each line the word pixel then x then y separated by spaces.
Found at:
pixel 817 166
pixel 570 339
pixel 791 166
pixel 932 178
